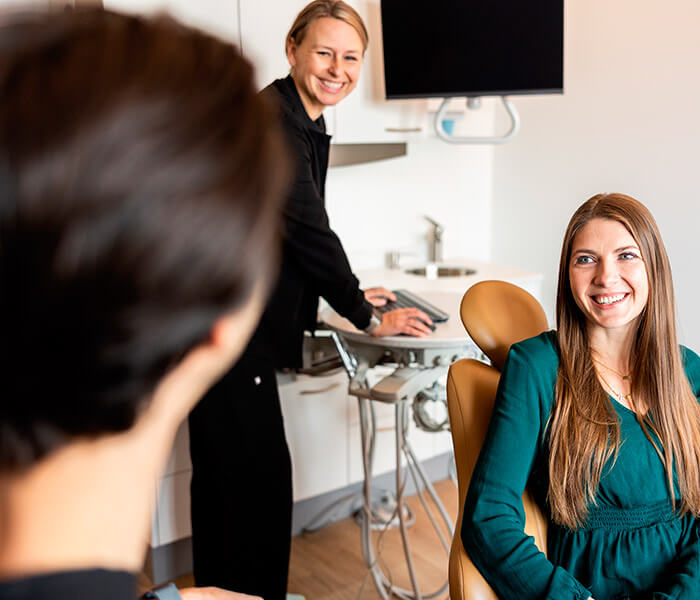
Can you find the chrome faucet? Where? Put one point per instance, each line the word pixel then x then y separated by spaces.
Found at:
pixel 435 254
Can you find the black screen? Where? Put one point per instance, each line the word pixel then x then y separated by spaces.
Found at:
pixel 472 47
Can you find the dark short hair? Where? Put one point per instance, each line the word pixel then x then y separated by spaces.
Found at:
pixel 140 176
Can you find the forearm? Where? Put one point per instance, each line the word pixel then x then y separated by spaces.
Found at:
pixel 508 559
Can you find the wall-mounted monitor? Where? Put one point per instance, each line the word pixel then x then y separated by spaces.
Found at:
pixel 445 48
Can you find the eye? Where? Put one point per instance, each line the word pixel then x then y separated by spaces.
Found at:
pixel 352 58
pixel 323 53
pixel 584 259
pixel 628 256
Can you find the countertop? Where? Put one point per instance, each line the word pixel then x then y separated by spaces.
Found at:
pixel 445 292
pixel 399 279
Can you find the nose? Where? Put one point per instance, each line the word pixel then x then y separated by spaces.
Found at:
pixel 607 273
pixel 334 65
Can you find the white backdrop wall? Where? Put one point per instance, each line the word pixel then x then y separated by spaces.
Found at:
pixel 628 122
pixel 378 207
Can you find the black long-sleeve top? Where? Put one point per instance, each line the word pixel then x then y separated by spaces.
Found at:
pixel 314 262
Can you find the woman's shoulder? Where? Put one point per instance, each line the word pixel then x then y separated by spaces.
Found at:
pixel 691 364
pixel 690 358
pixel 540 349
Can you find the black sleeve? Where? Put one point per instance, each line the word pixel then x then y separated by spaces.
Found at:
pixel 312 245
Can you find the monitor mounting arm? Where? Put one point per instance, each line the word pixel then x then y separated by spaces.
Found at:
pixel 453 139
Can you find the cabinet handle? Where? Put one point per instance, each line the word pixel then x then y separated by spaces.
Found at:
pixel 328 388
pixel 403 129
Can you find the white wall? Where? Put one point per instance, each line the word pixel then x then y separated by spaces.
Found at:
pixel 628 122
pixel 379 207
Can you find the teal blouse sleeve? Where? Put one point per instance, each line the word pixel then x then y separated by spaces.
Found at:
pixel 684 582
pixel 494 518
pixel 691 362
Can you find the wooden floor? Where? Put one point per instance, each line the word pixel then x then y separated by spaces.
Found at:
pixel 328 564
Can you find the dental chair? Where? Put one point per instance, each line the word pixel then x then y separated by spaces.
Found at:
pixel 496 315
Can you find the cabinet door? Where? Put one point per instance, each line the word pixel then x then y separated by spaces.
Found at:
pixel 365 116
pixel 264 27
pixel 173 509
pixel 219 17
pixel 315 418
pixel 179 459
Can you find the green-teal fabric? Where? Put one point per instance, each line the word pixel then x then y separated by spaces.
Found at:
pixel 633 545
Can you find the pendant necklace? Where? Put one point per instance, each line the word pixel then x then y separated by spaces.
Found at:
pixel 600 362
pixel 620 397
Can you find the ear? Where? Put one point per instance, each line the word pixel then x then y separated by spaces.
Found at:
pixel 292 53
pixel 224 333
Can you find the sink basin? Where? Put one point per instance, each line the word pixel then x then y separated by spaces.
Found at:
pixel 443 271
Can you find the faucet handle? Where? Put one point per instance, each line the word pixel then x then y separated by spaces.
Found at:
pixel 437 227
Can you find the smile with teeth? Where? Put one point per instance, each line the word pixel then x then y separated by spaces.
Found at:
pixel 610 299
pixel 332 85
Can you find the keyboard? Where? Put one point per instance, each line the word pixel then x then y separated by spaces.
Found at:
pixel 406 299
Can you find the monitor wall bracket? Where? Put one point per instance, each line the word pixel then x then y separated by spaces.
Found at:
pixel 440 115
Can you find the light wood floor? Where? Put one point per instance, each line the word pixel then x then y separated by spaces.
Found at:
pixel 328 564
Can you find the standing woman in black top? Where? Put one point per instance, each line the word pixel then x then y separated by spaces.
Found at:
pixel 241 485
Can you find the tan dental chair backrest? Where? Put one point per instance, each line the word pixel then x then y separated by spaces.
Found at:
pixel 496 315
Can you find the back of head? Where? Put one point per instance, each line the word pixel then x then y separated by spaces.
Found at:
pixel 140 175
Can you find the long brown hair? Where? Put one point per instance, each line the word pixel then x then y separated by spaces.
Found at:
pixel 584 433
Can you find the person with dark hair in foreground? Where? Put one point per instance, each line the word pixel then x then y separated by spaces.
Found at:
pixel 140 180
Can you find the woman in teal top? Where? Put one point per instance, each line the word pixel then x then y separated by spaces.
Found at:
pixel 601 420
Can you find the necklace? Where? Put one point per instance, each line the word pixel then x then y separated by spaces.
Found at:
pixel 620 397
pixel 602 364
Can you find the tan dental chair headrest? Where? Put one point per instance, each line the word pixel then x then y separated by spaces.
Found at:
pixel 497 314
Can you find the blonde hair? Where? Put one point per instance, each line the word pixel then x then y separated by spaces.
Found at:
pixel 584 431
pixel 335 9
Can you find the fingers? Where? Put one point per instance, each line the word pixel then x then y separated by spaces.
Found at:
pixel 379 296
pixel 376 300
pixel 408 321
pixel 388 294
pixel 418 319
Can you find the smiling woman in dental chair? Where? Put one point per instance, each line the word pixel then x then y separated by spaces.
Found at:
pixel 601 420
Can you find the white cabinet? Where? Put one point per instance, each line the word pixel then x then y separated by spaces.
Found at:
pixel 173 508
pixel 172 517
pixel 219 17
pixel 264 27
pixel 365 116
pixel 180 455
pixel 315 413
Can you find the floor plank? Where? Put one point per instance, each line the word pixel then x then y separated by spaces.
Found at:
pixel 328 564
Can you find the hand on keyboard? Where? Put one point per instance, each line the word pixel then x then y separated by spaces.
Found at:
pixel 409 321
pixel 379 296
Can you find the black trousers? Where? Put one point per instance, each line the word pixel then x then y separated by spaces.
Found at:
pixel 241 484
